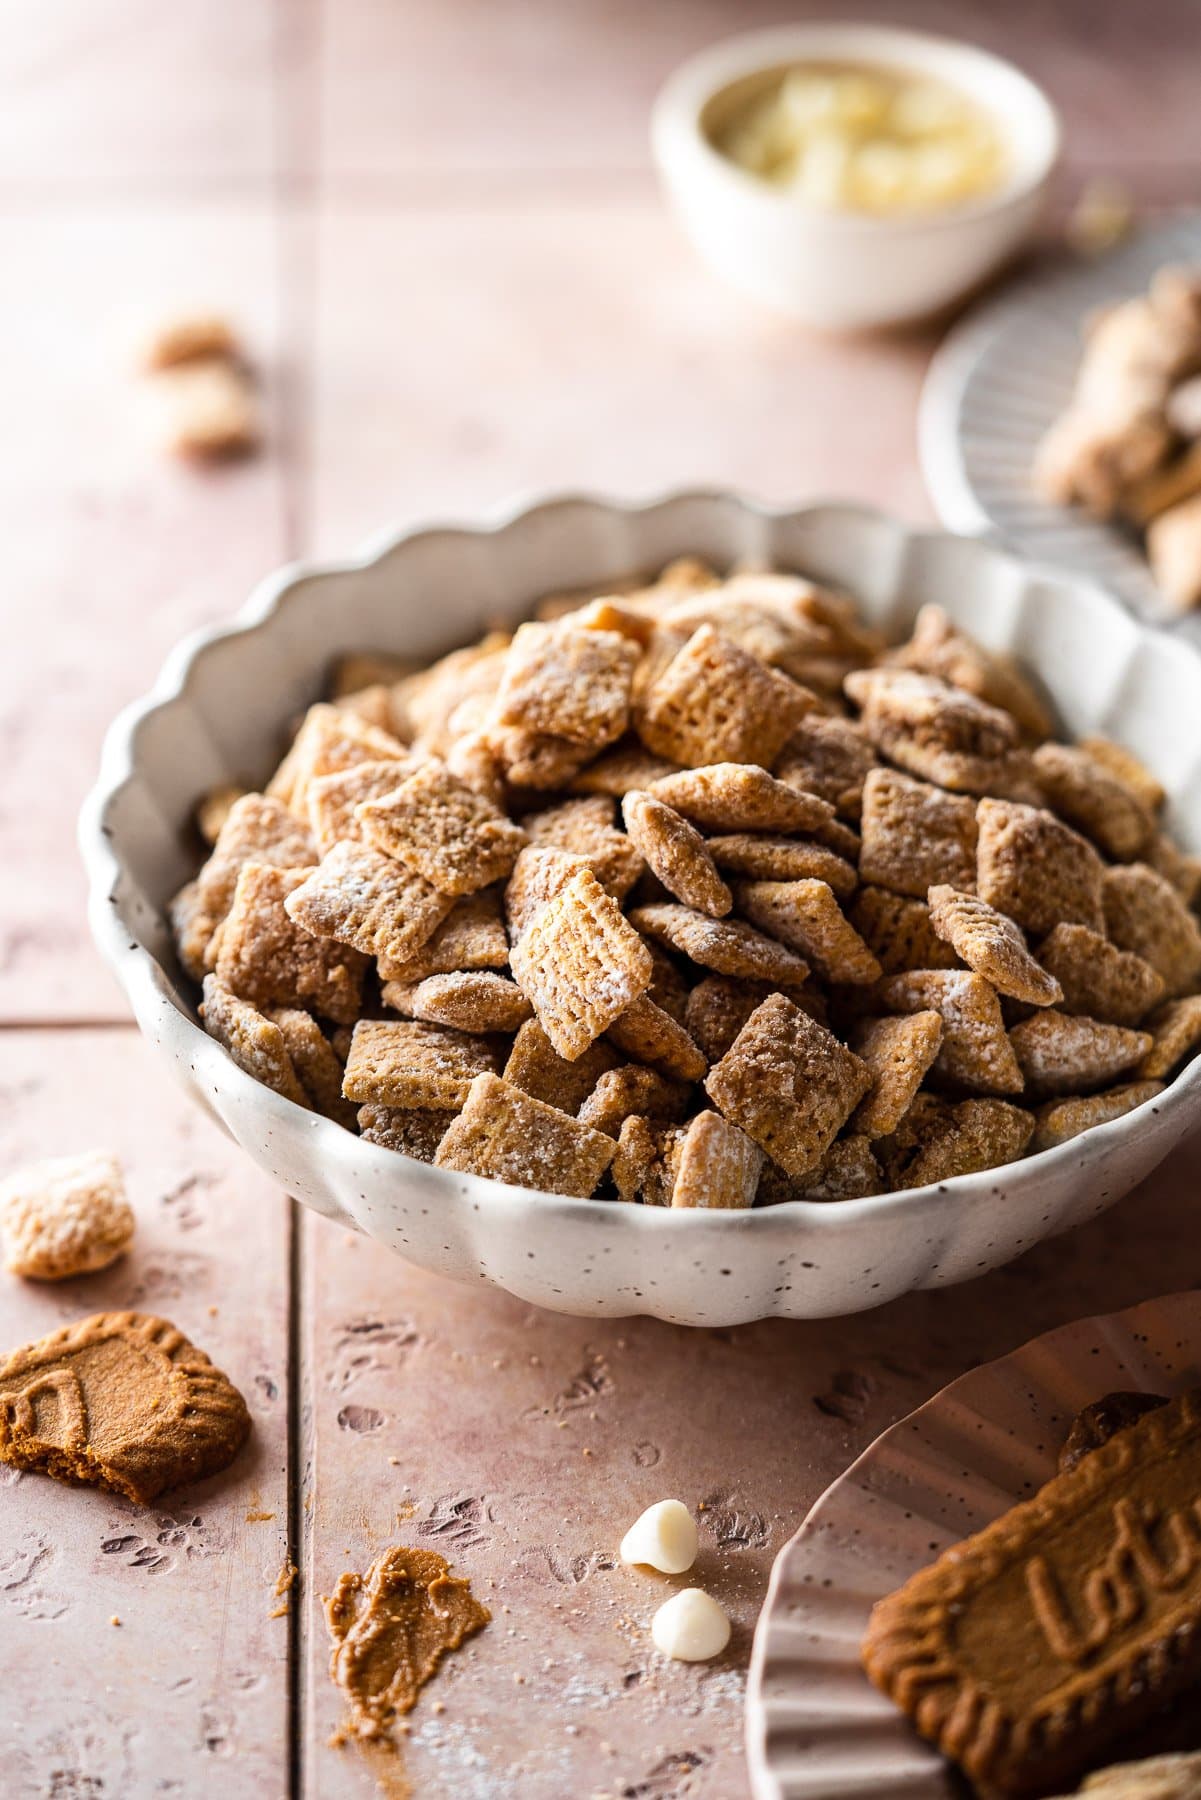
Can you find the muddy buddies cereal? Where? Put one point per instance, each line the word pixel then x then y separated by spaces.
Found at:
pixel 693 893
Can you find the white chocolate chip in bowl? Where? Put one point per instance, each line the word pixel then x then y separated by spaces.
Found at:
pixel 691 1626
pixel 663 1538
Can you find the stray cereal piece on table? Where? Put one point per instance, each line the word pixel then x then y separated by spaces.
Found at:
pixel 915 836
pixel 254 1041
pixel 206 409
pixel 580 963
pixel 536 1067
pixel 65 1216
pixel 1145 914
pixel 806 916
pixel 676 852
pixel 829 757
pixel 788 1083
pixel 733 796
pixel 941 733
pixel 315 1063
pixel 1175 1030
pixel 976 1051
pixel 412 1130
pixel 896 928
pixel 717 1166
pixel 650 1035
pixel 1036 869
pixel 471 936
pixel 332 799
pixel 188 337
pixel 783 859
pixel 402 1062
pixel 936 1140
pixel 1061 1053
pixel 993 945
pixel 359 896
pixel 585 828
pixel 621 1093
pixel 1097 978
pixel 714 702
pixel 471 1000
pixel 448 834
pixel 897 1052
pixel 1060 1120
pixel 505 1134
pixel 727 946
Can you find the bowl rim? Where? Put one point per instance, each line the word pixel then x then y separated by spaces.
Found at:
pixel 678 107
pixel 150 989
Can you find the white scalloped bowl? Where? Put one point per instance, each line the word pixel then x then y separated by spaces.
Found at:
pixel 216 715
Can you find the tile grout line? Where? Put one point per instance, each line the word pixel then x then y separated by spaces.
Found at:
pixel 297 1634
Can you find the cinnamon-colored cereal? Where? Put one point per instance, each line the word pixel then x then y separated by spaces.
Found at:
pixel 580 963
pixel 626 766
pixel 1061 1120
pixel 1127 768
pixel 716 703
pixel 975 1052
pixel 898 932
pixel 1145 914
pixel 257 829
pixel 65 1216
pixel 254 1042
pixel 332 799
pixel 650 1035
pixel 313 1058
pixel 472 936
pixel 330 738
pixel 506 1135
pixel 445 832
pixel 718 1165
pixel 731 796
pixel 1097 803
pixel 788 1083
pixel 915 836
pixel 477 1000
pixel 629 1090
pixel 215 808
pixel 268 959
pixel 936 1140
pixel 940 733
pixel 1097 978
pixel 676 852
pixel 538 875
pixel 847 1171
pixel 668 988
pixel 358 670
pixel 725 945
pixel 783 859
pixel 412 1130
pixel 993 945
pixel 585 828
pixel 644 1160
pixel 536 1067
pixel 192 929
pixel 405 1063
pixel 1175 1030
pixel 806 916
pixel 567 683
pixel 1184 872
pixel 359 896
pixel 937 647
pixel 1060 1053
pixel 829 757
pixel 1033 867
pixel 429 700
pixel 897 1053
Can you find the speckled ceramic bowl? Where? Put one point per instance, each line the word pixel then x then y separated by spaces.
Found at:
pixel 216 714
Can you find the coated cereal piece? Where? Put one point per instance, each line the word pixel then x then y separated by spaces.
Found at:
pixel 940 733
pixel 633 1090
pixel 567 683
pixel 585 827
pixel 1033 867
pixel 1093 801
pixel 676 852
pixel 504 1134
pixel 1144 913
pixel 1060 1120
pixel 715 703
pixel 915 836
pixel 806 916
pixel 897 1052
pixel 359 896
pixel 65 1216
pixel 473 760
pixel 897 930
pixel 580 963
pixel 270 960
pixel 717 1165
pixel 1184 872
pixel 1128 769
pixel 1175 1032
pixel 829 757
pixel 847 1171
pixel 252 1040
pixel 668 988
pixel 1061 1053
pixel 536 1067
pixel 936 1140
pixel 359 669
pixel 401 1062
pixel 718 1008
pixel 937 647
pixel 215 808
pixel 622 768
pixel 648 1034
pixel 538 875
pixel 788 1083
pixel 476 1000
pixel 783 859
pixel 1097 978
pixel 316 1064
pixel 436 825
pixel 192 927
pixel 332 799
pixel 471 936
pixel 257 829
pixel 730 796
pixel 727 946
pixel 975 1052
pixel 993 945
pixel 414 1131
pixel 373 704
pixel 428 701
pixel 643 1167
pixel 329 739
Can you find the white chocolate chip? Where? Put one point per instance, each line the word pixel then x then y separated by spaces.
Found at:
pixel 663 1538
pixel 691 1627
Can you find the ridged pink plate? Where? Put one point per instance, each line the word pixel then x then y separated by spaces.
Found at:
pixel 816 1727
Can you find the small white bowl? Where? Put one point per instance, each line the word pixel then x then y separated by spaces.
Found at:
pixel 217 714
pixel 843 270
